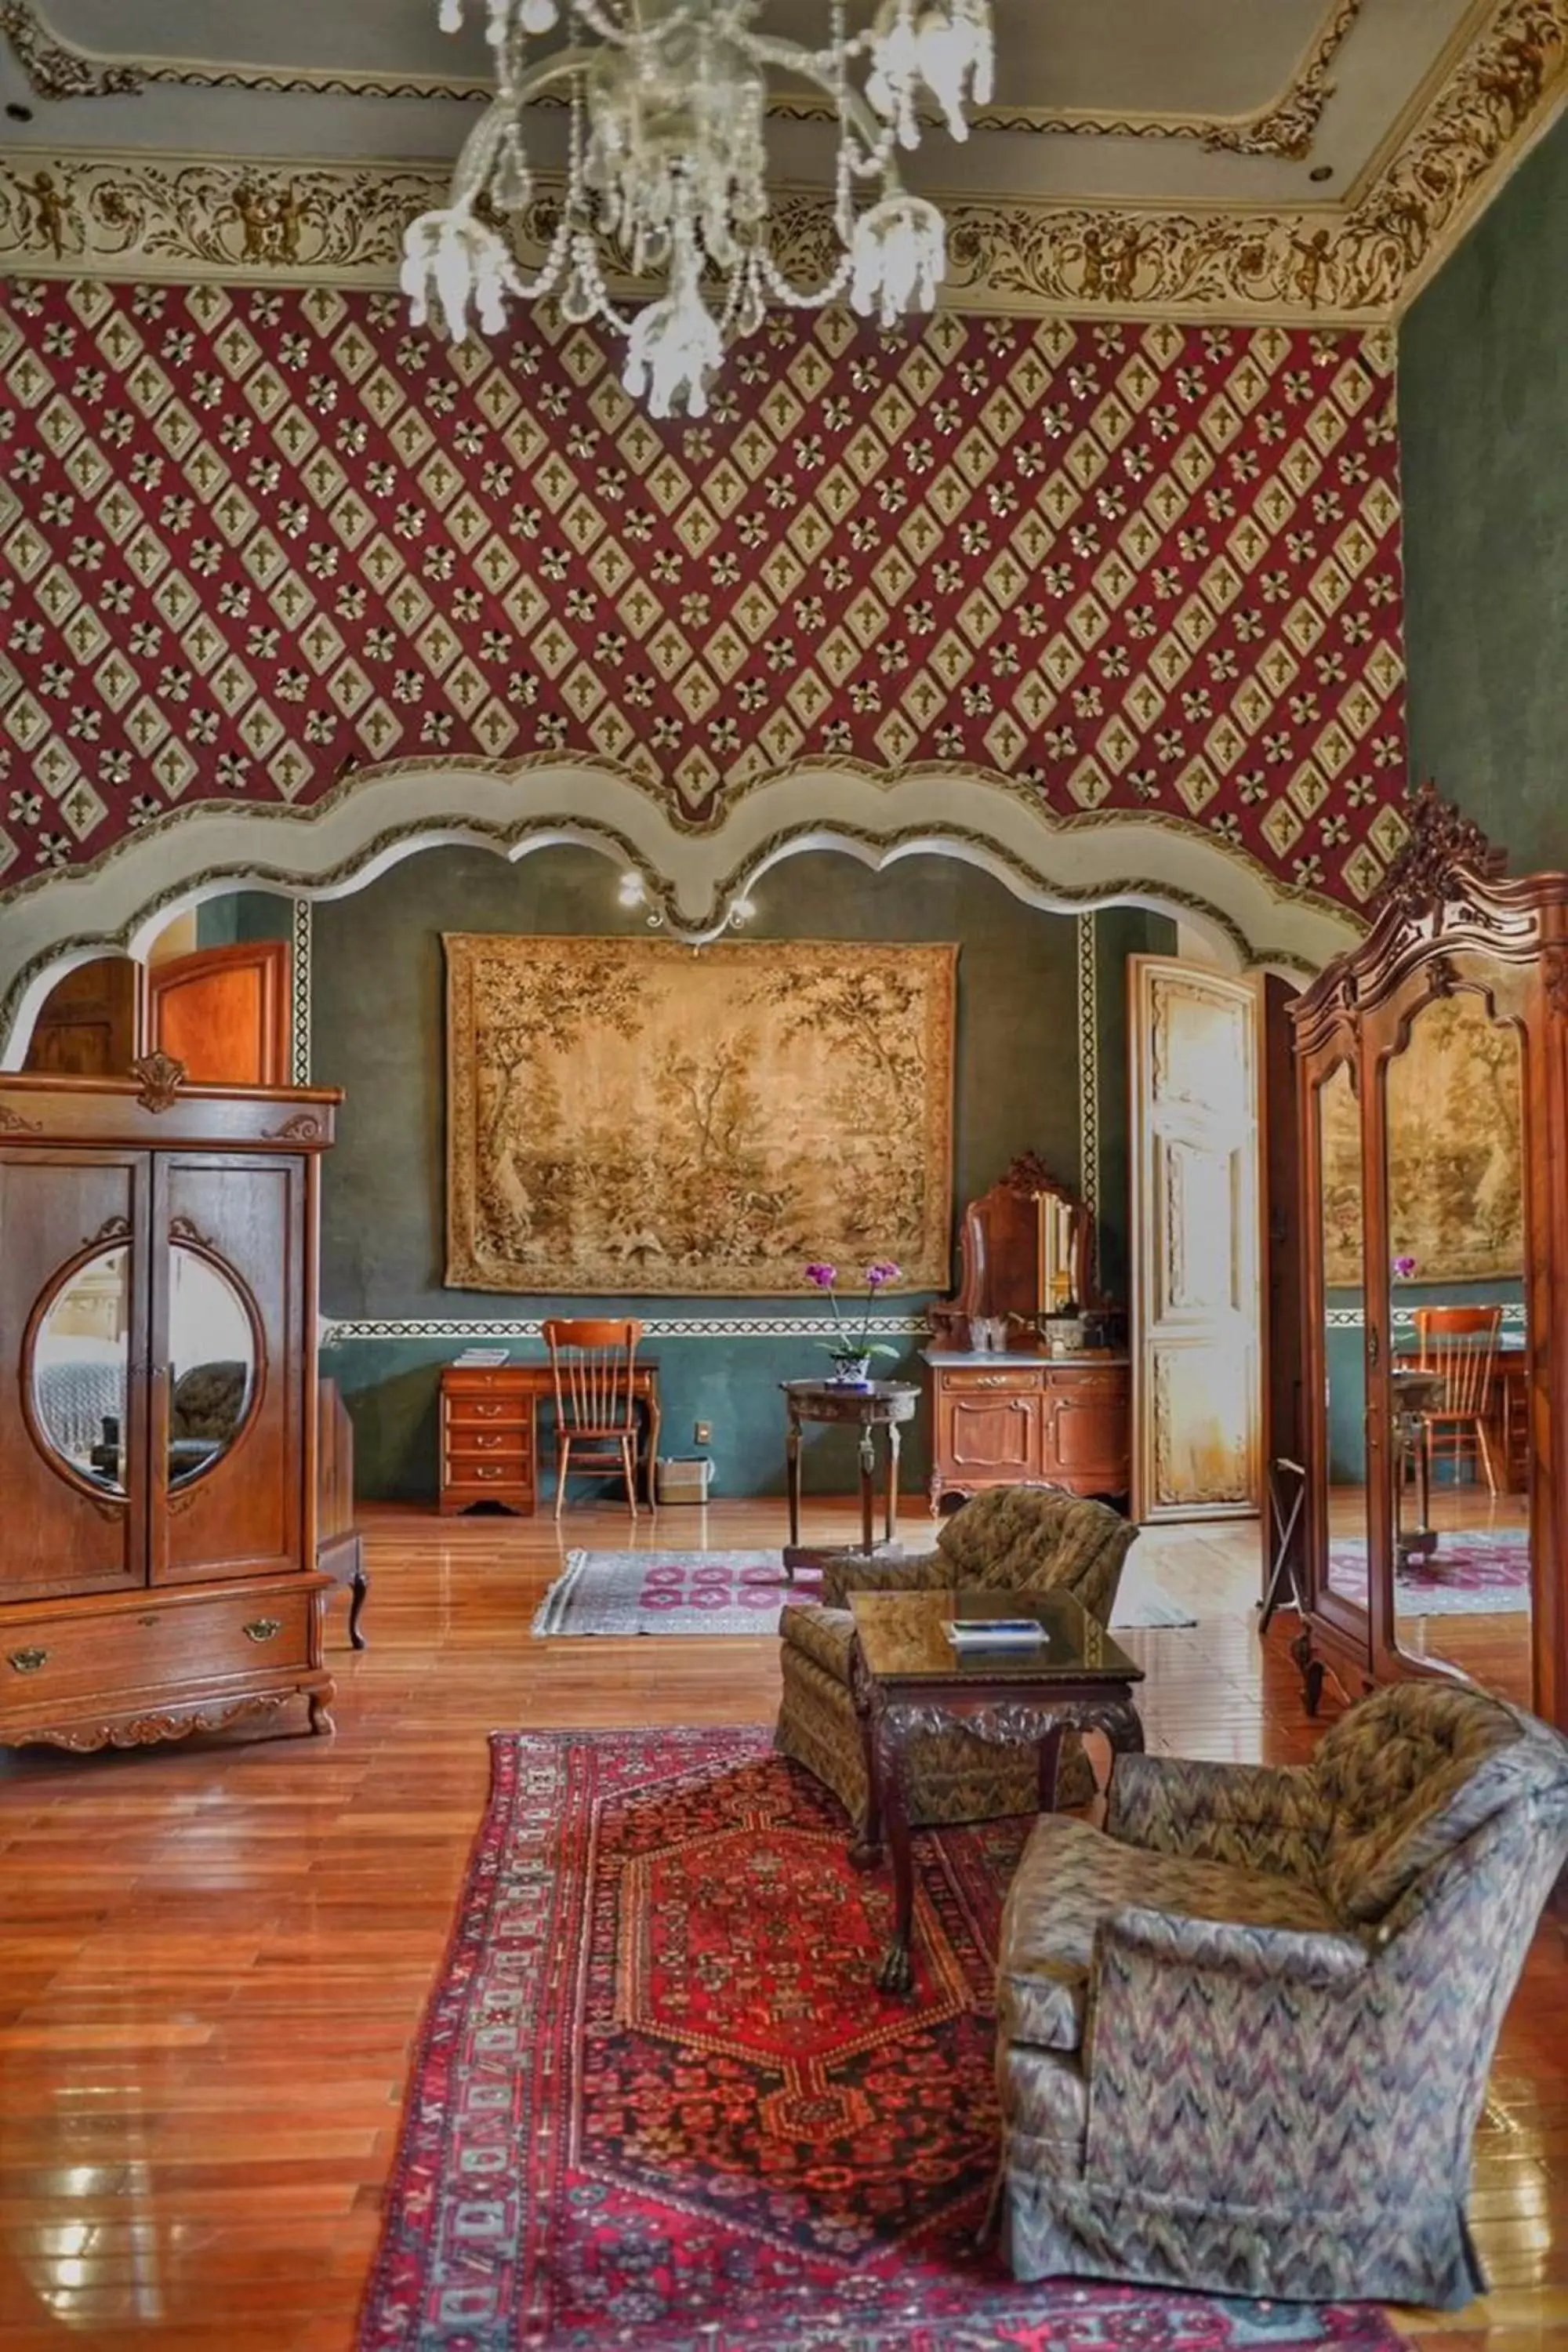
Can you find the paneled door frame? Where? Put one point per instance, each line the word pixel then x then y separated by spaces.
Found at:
pixel 1195 1229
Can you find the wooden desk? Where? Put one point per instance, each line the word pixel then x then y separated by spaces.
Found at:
pixel 489 1433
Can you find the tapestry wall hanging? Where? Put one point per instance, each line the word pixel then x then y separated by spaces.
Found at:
pixel 626 1115
pixel 1455 1169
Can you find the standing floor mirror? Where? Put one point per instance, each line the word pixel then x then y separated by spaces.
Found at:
pixel 1432 1065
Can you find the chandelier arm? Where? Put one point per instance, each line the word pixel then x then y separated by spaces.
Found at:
pixel 477 152
pixel 819 65
pixel 800 297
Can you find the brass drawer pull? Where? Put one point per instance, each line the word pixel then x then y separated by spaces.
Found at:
pixel 261 1629
pixel 489 1412
pixel 27 1662
pixel 488 1470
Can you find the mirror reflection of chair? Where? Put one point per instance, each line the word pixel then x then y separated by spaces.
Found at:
pixel 1459 1344
pixel 593 1364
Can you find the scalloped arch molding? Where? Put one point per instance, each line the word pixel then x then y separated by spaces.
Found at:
pixel 693 880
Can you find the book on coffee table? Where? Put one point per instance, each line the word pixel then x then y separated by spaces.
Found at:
pixel 995 1633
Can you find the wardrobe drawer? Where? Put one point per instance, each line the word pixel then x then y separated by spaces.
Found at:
pixel 264 1631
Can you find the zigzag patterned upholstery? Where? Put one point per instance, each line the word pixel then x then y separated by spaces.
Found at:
pixel 1009 1539
pixel 1243 2032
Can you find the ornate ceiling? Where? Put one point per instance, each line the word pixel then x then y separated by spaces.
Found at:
pixel 1305 159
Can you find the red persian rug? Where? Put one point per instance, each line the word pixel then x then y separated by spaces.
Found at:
pixel 659 2101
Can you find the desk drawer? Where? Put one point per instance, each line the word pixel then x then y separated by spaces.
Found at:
pixel 459 1381
pixel 486 1412
pixel 511 1445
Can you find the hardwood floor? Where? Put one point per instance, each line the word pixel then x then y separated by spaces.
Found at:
pixel 214 1959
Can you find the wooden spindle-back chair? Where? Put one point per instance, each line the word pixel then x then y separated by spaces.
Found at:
pixel 1460 1344
pixel 594 1364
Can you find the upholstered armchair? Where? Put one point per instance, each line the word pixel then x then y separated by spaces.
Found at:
pixel 1010 1539
pixel 1243 2034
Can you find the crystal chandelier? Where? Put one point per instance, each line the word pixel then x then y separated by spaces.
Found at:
pixel 666 159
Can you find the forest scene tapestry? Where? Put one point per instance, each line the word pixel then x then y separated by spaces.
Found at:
pixel 626 1115
pixel 1455 1173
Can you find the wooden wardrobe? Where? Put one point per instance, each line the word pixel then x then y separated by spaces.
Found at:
pixel 158 1410
pixel 1432 1062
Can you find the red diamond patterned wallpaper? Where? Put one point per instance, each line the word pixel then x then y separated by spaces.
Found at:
pixel 251 542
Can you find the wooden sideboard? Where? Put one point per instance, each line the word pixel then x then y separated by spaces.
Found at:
pixel 1001 1419
pixel 490 1439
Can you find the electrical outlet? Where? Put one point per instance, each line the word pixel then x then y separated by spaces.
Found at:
pixel 702 1433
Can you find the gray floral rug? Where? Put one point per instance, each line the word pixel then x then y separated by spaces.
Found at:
pixel 659 1592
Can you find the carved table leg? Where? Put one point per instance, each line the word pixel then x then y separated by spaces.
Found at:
pixel 322 1710
pixel 792 1463
pixel 359 1585
pixel 1048 1758
pixel 868 1492
pixel 895 1970
pixel 891 1523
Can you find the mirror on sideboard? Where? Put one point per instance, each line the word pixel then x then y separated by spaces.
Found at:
pixel 1454 1143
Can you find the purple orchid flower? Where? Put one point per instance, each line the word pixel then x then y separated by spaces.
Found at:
pixel 822 1274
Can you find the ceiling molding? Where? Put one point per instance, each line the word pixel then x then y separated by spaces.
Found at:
pixel 56 69
pixel 134 216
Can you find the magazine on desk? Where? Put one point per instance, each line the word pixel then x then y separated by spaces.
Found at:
pixel 996 1633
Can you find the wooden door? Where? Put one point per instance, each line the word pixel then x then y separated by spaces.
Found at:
pixel 228 1347
pixel 224 1013
pixel 1284 1433
pixel 73 1355
pixel 1196 1341
pixel 86 1024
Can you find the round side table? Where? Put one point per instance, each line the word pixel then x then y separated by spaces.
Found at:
pixel 880 1404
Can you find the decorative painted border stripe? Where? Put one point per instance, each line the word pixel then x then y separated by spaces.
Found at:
pixel 300 996
pixel 1352 1318
pixel 1088 1069
pixel 333 1333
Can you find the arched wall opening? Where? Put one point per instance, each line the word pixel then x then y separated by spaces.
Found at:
pixel 693 880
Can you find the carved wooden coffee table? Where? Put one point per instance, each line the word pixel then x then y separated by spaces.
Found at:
pixel 911 1679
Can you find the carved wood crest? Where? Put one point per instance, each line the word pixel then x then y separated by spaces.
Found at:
pixel 161 1078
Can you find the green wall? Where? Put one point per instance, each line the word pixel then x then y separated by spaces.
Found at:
pixel 377 1031
pixel 242 917
pixel 1483 396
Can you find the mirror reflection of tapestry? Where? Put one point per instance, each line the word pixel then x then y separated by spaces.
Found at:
pixel 628 1116
pixel 1454 1151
